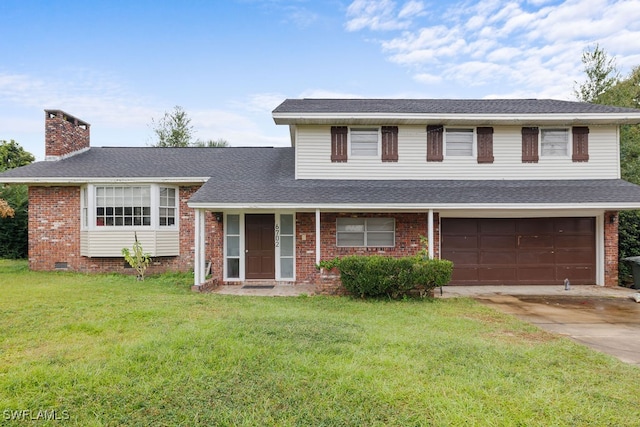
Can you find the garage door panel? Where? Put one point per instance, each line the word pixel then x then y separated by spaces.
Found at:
pixel 575 225
pixel 573 241
pixel 497 226
pixel 497 274
pixel 536 257
pixel 576 275
pixel 520 250
pixel 461 257
pixel 465 274
pixel 535 226
pixel 462 241
pixel 574 256
pixel 497 242
pixel 498 257
pixel 538 274
pixel 459 226
pixel 536 241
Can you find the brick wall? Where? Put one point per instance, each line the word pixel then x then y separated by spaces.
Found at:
pixel 611 248
pixel 54 234
pixel 64 134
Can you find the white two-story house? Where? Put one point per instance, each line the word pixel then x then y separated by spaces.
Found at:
pixel 513 191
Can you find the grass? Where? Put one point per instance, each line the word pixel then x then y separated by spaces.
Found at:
pixel 106 350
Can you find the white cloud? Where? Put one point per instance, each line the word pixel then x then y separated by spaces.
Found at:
pixel 328 94
pixel 382 15
pixel 519 46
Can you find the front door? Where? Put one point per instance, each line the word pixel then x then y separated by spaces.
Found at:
pixel 259 246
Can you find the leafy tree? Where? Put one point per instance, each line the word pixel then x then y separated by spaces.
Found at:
pixel 604 86
pixel 13 203
pixel 602 75
pixel 211 143
pixel 12 155
pixel 173 129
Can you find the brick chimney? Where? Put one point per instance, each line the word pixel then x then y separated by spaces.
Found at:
pixel 64 135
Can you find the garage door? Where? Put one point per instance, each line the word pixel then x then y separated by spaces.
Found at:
pixel 526 251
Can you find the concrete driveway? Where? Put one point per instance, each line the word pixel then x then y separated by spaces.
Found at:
pixel 605 319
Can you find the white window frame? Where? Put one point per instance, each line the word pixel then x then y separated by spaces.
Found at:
pixel 473 142
pixel 241 249
pixel 569 142
pixel 88 207
pixel 365 232
pixel 362 129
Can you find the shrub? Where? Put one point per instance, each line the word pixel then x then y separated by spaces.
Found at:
pixel 377 276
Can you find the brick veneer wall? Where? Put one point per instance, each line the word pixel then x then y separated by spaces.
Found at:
pixel 409 228
pixel 54 234
pixel 64 134
pixel 611 248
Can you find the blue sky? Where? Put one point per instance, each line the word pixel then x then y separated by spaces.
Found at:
pixel 118 64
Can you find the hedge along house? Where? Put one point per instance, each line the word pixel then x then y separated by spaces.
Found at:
pixel 512 191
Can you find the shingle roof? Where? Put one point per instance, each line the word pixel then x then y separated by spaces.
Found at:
pixel 259 175
pixel 151 162
pixel 446 106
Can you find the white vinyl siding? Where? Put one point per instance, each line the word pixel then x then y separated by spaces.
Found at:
pixel 313 154
pixel 110 241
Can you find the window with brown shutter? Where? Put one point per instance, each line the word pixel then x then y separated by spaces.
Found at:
pixel 529 145
pixel 389 143
pixel 580 144
pixel 434 143
pixel 485 144
pixel 339 143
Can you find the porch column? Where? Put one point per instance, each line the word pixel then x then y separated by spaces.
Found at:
pixel 430 233
pixel 198 261
pixel 317 236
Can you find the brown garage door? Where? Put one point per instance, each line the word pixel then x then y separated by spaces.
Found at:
pixel 525 251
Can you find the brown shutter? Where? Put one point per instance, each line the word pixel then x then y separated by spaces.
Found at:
pixel 434 143
pixel 530 145
pixel 485 144
pixel 339 143
pixel 389 143
pixel 580 144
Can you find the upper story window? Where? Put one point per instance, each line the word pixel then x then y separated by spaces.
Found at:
pixel 554 142
pixel 129 206
pixel 364 142
pixel 459 142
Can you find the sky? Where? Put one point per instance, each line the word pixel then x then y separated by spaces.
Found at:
pixel 118 64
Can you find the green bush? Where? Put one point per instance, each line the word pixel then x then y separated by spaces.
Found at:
pixel 378 276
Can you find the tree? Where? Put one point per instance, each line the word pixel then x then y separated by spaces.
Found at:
pixel 12 155
pixel 602 75
pixel 14 203
pixel 211 143
pixel 604 86
pixel 173 129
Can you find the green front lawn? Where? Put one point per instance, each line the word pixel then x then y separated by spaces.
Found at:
pixel 108 350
